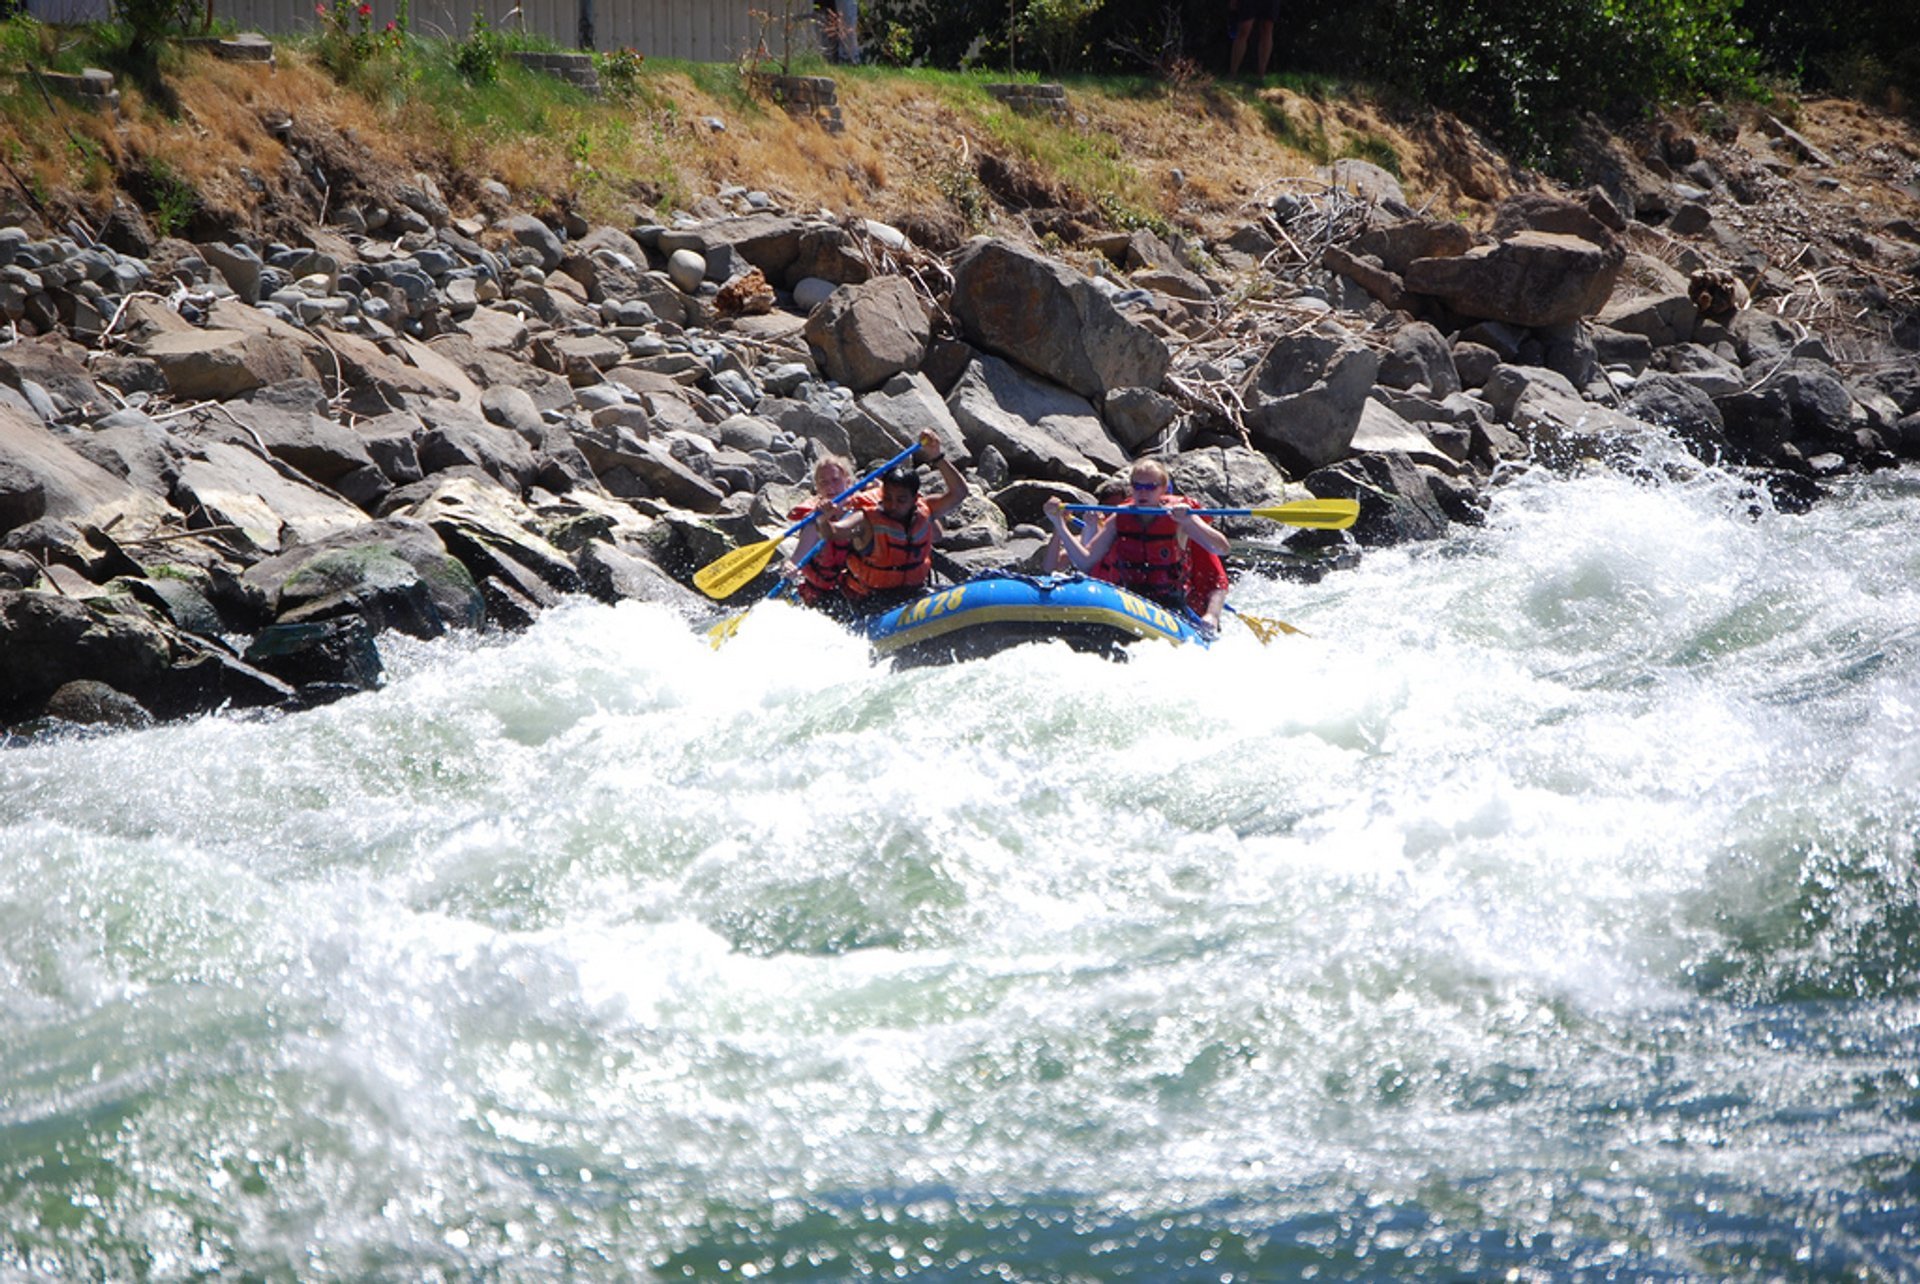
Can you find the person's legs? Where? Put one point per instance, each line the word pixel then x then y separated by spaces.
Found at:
pixel 1239 46
pixel 1266 47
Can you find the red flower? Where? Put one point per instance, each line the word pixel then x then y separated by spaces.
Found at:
pixel 366 11
pixel 391 27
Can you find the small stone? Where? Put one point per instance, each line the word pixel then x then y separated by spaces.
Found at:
pixel 810 292
pixel 687 268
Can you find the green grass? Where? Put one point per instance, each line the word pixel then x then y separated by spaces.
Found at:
pixel 1372 148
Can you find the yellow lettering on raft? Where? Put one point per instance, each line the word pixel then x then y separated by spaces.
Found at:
pixel 939 604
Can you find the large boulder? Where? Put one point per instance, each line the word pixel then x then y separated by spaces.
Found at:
pixel 321 659
pixel 455 438
pixel 48 640
pixel 43 477
pixel 1040 429
pixel 1560 426
pixel 1400 499
pixel 865 334
pixel 1531 278
pixel 1230 477
pixel 1665 319
pixel 771 242
pixel 57 368
pixel 394 574
pixel 1398 244
pixel 1052 320
pixel 218 364
pixel 285 419
pixel 270 508
pixel 895 415
pixel 1306 397
pixel 1420 357
pixel 1681 408
pixel 634 468
pixel 493 536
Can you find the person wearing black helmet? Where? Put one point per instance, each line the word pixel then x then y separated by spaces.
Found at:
pixel 890 545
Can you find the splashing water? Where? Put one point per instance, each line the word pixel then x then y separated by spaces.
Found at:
pixel 1548 912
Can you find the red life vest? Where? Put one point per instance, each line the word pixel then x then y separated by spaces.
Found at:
pixel 1205 574
pixel 899 556
pixel 820 577
pixel 1146 555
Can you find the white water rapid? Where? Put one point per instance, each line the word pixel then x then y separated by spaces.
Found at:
pixel 1549 912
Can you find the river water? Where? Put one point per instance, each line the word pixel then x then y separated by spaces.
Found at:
pixel 1548 912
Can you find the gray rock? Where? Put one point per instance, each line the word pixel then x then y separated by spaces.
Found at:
pixel 687 269
pixel 1702 367
pixel 1420 358
pixel 1230 477
pixel 613 574
pixel 1137 417
pixel 323 660
pixel 1052 320
pixel 393 574
pixel 528 231
pixel 635 469
pixel 391 440
pixel 1616 349
pixel 42 476
pixel 865 334
pixel 1682 408
pixel 770 242
pixel 85 702
pixel 1369 182
pixel 1664 319
pixel 810 292
pixel 1399 500
pixel 281 418
pixel 1042 430
pixel 271 508
pixel 48 640
pixel 896 414
pixel 1307 396
pixel 218 364
pixel 492 534
pixel 238 265
pixel 1473 362
pixel 1531 278
pixel 1399 244
pixel 512 408
pixel 457 438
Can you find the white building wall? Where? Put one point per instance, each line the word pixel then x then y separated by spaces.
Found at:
pixel 696 30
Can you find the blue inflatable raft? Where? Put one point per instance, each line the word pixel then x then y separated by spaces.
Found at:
pixel 993 612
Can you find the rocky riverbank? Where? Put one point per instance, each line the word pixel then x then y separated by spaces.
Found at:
pixel 227 467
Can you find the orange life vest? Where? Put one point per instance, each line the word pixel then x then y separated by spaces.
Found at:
pixel 900 555
pixel 820 577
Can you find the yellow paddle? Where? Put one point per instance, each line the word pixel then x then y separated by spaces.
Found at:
pixel 1263 628
pixel 1314 514
pixel 729 573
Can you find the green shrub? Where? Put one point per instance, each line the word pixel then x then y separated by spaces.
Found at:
pixel 620 72
pixel 478 57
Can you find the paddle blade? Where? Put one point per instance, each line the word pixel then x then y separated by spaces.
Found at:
pixel 729 573
pixel 1263 628
pixel 722 632
pixel 1314 514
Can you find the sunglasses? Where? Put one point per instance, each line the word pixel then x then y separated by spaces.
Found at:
pixel 1148 486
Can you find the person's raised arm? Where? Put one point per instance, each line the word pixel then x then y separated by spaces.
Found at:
pixel 1084 555
pixel 955 484
pixel 844 527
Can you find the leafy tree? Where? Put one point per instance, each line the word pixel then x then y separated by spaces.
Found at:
pixel 1866 47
